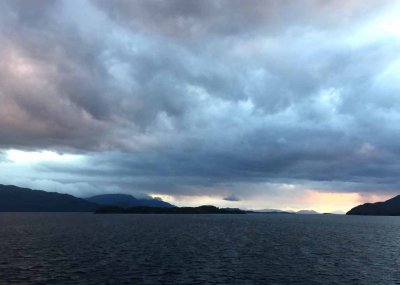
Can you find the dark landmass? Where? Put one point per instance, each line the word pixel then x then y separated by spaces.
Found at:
pixel 174 210
pixel 390 207
pixel 16 199
pixel 127 201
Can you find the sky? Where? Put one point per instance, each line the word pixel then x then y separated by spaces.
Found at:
pixel 257 104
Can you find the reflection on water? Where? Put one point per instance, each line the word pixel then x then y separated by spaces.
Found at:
pixel 64 248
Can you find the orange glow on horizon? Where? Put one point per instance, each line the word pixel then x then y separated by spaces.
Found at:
pixel 326 202
pixel 323 202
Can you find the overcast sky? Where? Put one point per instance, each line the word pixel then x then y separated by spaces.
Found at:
pixel 253 104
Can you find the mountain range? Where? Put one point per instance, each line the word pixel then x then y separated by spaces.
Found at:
pixel 17 199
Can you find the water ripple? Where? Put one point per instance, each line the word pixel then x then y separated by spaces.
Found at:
pixel 198 249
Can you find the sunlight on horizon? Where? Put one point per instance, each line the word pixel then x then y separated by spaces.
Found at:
pixel 19 156
pixel 322 202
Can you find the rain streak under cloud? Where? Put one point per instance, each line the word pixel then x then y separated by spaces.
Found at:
pixel 252 104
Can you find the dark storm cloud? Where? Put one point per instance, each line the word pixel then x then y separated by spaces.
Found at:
pixel 223 18
pixel 177 96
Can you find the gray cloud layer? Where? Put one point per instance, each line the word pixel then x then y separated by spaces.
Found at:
pixel 169 94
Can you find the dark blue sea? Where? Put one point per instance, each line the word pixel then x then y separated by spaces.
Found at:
pixel 65 248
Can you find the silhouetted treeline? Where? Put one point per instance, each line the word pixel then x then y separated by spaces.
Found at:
pixel 175 210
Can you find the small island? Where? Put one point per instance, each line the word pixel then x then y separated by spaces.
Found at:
pixel 174 210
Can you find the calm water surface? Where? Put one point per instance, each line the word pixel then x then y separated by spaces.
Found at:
pixel 38 248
